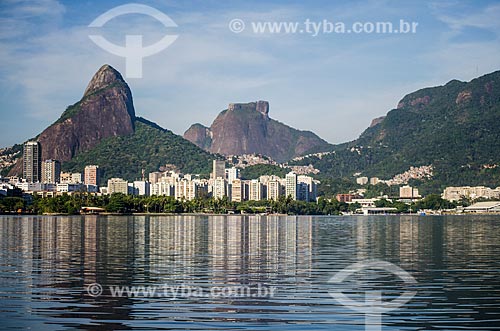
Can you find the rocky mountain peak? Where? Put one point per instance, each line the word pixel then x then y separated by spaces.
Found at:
pixel 104 77
pixel 259 106
pixel 105 110
pixel 245 128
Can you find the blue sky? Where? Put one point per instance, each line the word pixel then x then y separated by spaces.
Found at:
pixel 332 84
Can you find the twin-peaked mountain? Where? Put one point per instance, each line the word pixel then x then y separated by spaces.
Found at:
pixel 102 129
pixel 246 128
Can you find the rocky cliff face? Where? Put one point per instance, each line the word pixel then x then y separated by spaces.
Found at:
pixel 246 128
pixel 199 135
pixel 105 110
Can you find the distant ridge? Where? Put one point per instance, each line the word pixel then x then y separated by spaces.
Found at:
pixel 246 128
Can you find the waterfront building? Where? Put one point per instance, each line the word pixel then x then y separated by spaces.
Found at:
pixel 117 185
pixel 302 191
pixel 51 171
pixel 163 188
pixel 237 191
pixel 219 188
pixel 468 192
pixel 291 185
pixel 484 207
pixel 274 189
pixel 91 175
pixel 311 188
pixel 141 187
pixel 255 190
pixel 32 162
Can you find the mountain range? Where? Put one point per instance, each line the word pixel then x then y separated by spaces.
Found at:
pixel 454 128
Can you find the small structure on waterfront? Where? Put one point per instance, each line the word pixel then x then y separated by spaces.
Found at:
pixel 92 210
pixel 484 207
pixel 379 210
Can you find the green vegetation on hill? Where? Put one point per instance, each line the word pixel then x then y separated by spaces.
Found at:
pixel 148 148
pixel 455 128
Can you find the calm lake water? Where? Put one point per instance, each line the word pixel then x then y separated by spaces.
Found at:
pixel 48 263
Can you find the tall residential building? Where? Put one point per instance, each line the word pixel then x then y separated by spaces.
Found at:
pixel 32 162
pixel 302 191
pixel 117 185
pixel 218 169
pixel 274 189
pixel 141 188
pixel 232 174
pixel 311 188
pixel 163 188
pixel 91 175
pixel 255 190
pixel 51 171
pixel 291 185
pixel 189 189
pixel 237 190
pixel 219 188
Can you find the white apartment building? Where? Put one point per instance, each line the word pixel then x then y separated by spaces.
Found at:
pixel 232 174
pixel 219 190
pixel 468 192
pixel 291 185
pixel 117 185
pixel 255 190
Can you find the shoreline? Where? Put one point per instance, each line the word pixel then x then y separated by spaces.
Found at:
pixel 257 214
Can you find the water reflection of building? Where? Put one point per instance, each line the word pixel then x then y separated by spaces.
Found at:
pixel 73 252
pixel 250 248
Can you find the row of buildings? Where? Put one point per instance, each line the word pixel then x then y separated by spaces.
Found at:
pixel 46 178
pixel 36 170
pixel 456 193
pixel 223 183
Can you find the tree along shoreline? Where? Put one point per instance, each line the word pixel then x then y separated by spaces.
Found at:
pixel 121 204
